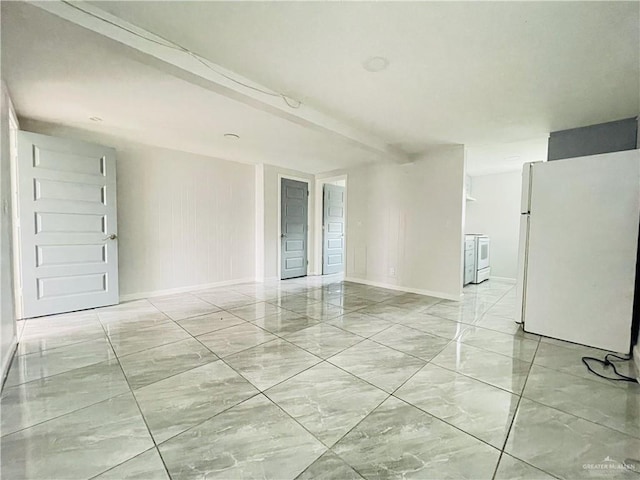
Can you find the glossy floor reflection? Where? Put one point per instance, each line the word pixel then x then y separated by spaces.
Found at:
pixel 311 378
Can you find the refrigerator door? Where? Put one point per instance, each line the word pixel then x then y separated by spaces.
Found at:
pixel 523 248
pixel 583 235
pixel 525 202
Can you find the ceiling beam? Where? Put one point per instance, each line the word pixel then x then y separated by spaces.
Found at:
pixel 161 53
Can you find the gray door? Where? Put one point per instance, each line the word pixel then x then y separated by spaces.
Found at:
pixel 293 238
pixel 333 230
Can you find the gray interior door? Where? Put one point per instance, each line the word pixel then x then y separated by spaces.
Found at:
pixel 333 230
pixel 293 238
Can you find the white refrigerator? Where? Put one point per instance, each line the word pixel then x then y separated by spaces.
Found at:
pixel 578 249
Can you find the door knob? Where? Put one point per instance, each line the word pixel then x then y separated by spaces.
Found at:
pixel 113 236
pixel 282 235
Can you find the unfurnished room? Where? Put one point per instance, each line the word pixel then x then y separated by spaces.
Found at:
pixel 319 240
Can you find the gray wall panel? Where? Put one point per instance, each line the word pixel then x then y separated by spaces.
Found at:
pixel 594 139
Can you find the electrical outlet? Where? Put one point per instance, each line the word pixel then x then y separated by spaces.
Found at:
pixel 392 271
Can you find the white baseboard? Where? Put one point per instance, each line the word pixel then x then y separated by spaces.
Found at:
pixel 636 359
pixel 503 279
pixel 401 288
pixel 158 293
pixel 6 361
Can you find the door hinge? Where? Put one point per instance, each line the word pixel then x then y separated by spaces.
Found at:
pixel 307 193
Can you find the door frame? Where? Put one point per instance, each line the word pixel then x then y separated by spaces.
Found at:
pixel 319 217
pixel 308 182
pixel 16 247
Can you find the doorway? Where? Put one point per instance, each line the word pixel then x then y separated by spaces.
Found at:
pixel 330 256
pixel 333 213
pixel 293 228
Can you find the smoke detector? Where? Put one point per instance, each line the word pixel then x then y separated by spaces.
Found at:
pixel 375 64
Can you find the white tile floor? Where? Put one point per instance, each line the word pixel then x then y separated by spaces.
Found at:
pixel 310 378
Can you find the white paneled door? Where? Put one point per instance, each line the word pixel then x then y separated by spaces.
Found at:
pixel 67 225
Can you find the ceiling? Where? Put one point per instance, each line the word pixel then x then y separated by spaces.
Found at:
pixel 76 74
pixel 473 73
pixel 460 72
pixel 504 157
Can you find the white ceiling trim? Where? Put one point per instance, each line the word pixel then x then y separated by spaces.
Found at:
pixel 227 83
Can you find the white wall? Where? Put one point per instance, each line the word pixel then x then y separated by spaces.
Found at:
pixel 7 312
pixel 272 176
pixel 408 218
pixel 496 213
pixel 183 220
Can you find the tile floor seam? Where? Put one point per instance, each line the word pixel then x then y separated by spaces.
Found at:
pixel 435 416
pixel 122 463
pixel 146 349
pixel 258 392
pixel 193 293
pixel 322 320
pixel 222 358
pixel 582 418
pixel 503 453
pixel 55 348
pixel 444 421
pixel 360 378
pixel 174 374
pixel 393 348
pixel 252 384
pixel 366 338
pixel 421 331
pixel 439 418
pixel 280 335
pixel 404 401
pixel 257 345
pixel 288 378
pixel 356 426
pixel 299 423
pixel 146 300
pixel 244 349
pixel 494 352
pixel 515 413
pixel 135 399
pixel 69 412
pixel 345 461
pixel 593 379
pixel 432 314
pixel 474 378
pixel 324 359
pixel 207 314
pixel 55 374
pixel 158 311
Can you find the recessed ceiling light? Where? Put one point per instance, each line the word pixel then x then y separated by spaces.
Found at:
pixel 375 64
pixel 232 136
pixel 95 119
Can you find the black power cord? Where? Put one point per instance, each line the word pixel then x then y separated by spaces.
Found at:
pixel 608 363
